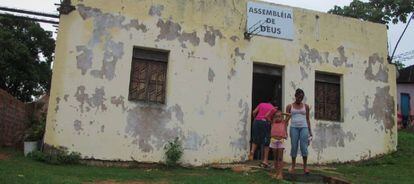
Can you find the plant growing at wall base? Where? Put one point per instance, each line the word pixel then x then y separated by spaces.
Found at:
pixel 56 156
pixel 35 129
pixel 173 152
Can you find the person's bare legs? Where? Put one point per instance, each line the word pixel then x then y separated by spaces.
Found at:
pixel 252 151
pixel 305 165
pixel 292 169
pixel 275 163
pixel 266 155
pixel 280 163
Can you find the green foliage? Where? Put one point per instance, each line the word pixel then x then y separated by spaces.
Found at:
pixel 57 157
pixel 380 11
pixel 173 152
pixel 35 129
pixel 399 65
pixel 26 54
pixel 20 170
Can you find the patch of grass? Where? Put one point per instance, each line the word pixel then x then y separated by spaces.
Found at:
pixel 15 168
pixel 396 167
pixel 19 169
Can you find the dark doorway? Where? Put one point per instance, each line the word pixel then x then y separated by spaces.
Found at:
pixel 267 84
pixel 405 109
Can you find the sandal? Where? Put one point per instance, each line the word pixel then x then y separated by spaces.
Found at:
pixel 264 165
pixel 306 171
pixel 250 158
pixel 291 170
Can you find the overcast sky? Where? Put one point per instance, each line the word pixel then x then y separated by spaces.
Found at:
pixel 394 32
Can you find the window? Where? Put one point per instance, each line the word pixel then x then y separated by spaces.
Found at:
pixel 327 97
pixel 148 76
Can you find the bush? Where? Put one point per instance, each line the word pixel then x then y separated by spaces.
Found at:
pixel 35 129
pixel 57 157
pixel 173 152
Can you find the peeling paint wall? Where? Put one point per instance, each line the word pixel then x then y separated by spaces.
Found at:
pixel 209 81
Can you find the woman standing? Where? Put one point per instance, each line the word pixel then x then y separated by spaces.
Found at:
pixel 261 131
pixel 300 129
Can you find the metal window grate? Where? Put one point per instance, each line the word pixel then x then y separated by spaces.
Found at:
pixel 148 76
pixel 327 97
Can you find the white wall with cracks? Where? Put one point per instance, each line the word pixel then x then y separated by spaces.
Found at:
pixel 209 81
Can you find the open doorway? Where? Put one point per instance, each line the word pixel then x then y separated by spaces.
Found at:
pixel 267 84
pixel 405 109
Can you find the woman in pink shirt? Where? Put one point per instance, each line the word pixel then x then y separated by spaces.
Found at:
pixel 261 131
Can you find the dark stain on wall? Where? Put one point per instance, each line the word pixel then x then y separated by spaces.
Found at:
pixel 293 85
pixel 382 110
pixel 309 56
pixel 95 100
pixel 119 101
pixel 207 99
pixel 194 141
pixel 179 114
pixel 211 75
pixel 234 38
pixel 77 125
pixel 342 59
pixel 66 97
pixel 170 30
pixel 156 10
pixel 237 53
pixel 233 72
pixel 303 73
pixel 382 74
pixel 330 135
pixel 113 51
pixel 57 104
pixel 81 97
pixel 149 126
pixel 366 112
pixel 211 35
pixel 241 143
pixel 98 98
pixel 112 54
pixel 84 59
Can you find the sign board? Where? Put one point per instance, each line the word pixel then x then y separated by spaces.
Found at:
pixel 270 20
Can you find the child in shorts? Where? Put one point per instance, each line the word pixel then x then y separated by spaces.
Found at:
pixel 278 136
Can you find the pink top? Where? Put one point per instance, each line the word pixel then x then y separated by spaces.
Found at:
pixel 263 108
pixel 271 113
pixel 278 129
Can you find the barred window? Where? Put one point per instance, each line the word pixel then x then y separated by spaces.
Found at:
pixel 327 97
pixel 148 76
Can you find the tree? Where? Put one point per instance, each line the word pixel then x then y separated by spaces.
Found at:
pixel 380 11
pixel 26 54
pixel 399 65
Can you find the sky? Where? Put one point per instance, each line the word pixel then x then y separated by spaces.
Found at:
pixel 394 31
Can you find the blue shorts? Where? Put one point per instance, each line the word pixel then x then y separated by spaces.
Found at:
pixel 299 137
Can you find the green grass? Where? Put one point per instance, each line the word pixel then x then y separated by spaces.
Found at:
pixel 397 167
pixel 19 169
pixel 393 168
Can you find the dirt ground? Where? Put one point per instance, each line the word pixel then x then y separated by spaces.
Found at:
pixel 4 156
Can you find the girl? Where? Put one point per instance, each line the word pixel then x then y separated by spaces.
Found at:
pixel 278 136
